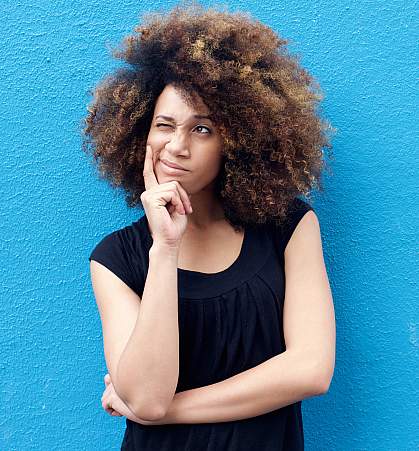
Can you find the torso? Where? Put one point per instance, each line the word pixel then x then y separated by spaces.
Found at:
pixel 212 251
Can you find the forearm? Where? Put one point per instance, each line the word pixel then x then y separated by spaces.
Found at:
pixel 148 368
pixel 282 380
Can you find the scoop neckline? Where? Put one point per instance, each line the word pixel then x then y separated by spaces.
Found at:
pixel 196 285
pixel 203 285
pixel 207 275
pixel 224 271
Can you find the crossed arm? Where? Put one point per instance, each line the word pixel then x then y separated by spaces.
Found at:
pixel 275 383
pixel 305 369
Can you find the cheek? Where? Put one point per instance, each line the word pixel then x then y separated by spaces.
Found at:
pixel 155 139
pixel 209 168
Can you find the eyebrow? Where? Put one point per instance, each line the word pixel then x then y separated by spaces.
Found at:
pixel 196 116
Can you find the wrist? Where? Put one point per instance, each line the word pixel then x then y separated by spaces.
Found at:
pixel 164 250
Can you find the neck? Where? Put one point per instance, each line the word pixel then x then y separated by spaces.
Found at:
pixel 207 211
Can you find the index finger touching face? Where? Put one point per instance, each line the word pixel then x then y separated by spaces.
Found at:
pixel 150 178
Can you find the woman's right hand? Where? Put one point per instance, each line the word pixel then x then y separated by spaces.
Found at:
pixel 167 222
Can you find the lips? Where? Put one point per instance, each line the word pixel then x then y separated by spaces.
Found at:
pixel 171 171
pixel 172 165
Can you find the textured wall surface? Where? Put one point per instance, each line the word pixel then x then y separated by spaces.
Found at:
pixel 54 210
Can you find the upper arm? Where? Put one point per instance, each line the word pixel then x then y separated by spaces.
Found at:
pixel 118 307
pixel 308 317
pixel 116 287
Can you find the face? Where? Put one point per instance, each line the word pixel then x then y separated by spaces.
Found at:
pixel 178 137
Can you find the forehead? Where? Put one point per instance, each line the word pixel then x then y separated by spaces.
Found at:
pixel 173 100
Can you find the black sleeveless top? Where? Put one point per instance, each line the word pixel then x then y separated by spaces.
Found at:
pixel 229 321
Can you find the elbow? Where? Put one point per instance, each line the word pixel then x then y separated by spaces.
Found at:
pixel 321 378
pixel 145 410
pixel 142 409
pixel 322 386
pixel 149 413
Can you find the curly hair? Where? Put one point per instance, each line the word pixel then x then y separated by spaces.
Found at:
pixel 263 102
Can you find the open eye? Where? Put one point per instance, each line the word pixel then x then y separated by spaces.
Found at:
pixel 206 128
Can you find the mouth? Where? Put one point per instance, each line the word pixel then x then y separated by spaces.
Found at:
pixel 170 170
pixel 172 165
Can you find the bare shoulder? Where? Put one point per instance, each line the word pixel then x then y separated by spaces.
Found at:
pixel 303 255
pixel 306 233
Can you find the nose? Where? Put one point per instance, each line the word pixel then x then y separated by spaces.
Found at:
pixel 177 145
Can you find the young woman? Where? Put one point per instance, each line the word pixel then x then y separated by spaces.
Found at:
pixel 215 305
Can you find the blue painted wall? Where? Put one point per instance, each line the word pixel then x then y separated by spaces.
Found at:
pixel 54 210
